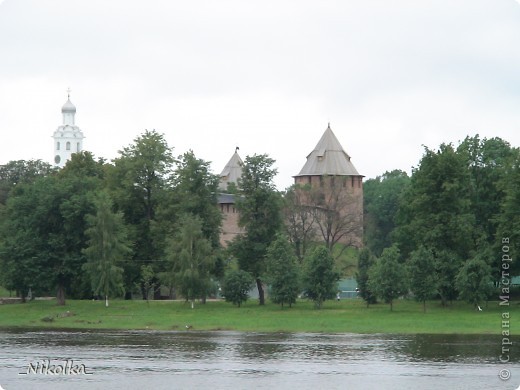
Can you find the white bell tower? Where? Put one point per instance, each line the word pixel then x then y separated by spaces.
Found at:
pixel 68 138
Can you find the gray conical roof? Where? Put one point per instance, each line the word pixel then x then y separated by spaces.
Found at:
pixel 328 158
pixel 232 171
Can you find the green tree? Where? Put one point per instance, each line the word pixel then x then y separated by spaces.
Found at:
pixel 381 197
pixel 365 262
pixel 474 281
pixel 43 234
pixel 236 286
pixel 147 280
pixel 191 256
pixel 195 192
pixel 422 275
pixel 108 246
pixel 259 205
pixel 508 220
pixel 387 278
pixel 319 278
pixel 282 272
pixel 21 172
pixel 139 183
pixel 435 212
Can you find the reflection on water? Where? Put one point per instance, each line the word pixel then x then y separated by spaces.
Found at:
pixel 222 360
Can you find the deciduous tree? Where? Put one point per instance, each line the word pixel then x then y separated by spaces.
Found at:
pixel 422 275
pixel 319 278
pixel 191 257
pixel 108 246
pixel 259 205
pixel 474 281
pixel 387 278
pixel 282 272
pixel 236 286
pixel 365 262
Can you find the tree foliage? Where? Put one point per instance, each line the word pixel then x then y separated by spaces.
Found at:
pixel 282 272
pixel 259 205
pixel 319 277
pixel 422 275
pixel 474 281
pixel 236 286
pixel 108 246
pixel 195 192
pixel 191 258
pixel 21 172
pixel 365 262
pixel 382 198
pixel 139 181
pixel 387 278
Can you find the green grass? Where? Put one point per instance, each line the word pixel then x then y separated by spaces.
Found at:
pixel 335 317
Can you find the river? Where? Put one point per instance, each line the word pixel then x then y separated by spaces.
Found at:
pixel 233 360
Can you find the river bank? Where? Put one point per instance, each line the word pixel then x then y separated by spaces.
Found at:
pixel 345 316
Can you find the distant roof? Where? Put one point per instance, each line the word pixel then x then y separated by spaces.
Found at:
pixel 328 158
pixel 232 171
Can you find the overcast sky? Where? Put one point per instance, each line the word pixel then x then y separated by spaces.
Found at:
pixel 267 76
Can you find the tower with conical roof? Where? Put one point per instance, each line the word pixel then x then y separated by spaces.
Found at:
pixel 231 172
pixel 226 199
pixel 68 138
pixel 336 190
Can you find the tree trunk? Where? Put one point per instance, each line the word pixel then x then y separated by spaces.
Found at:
pixel 261 296
pixel 391 305
pixel 106 300
pixel 60 296
pixel 424 306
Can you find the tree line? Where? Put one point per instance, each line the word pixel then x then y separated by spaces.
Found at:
pixel 440 233
pixel 144 222
pixel 148 221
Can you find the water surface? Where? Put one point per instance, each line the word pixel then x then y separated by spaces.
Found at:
pixel 234 360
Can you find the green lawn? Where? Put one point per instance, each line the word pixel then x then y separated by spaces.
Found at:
pixel 335 317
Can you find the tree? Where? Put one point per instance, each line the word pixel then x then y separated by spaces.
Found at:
pixel 422 275
pixel 195 192
pixel 108 246
pixel 191 258
pixel 260 215
pixel 319 278
pixel 236 286
pixel 365 262
pixel 147 280
pixel 299 219
pixel 387 278
pixel 435 212
pixel 381 198
pixel 508 221
pixel 474 281
pixel 282 272
pixel 43 234
pixel 139 183
pixel 21 172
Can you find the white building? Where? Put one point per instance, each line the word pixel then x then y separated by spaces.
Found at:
pixel 68 138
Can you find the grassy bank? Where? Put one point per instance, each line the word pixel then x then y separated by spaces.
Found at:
pixel 335 317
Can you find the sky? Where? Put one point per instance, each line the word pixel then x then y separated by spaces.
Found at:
pixel 391 76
